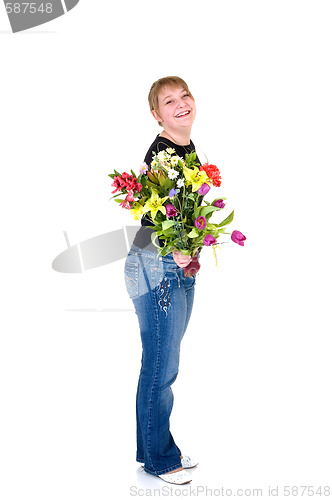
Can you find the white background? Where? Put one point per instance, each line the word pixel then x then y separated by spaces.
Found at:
pixel 252 399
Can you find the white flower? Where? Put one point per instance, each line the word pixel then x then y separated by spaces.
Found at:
pixel 172 174
pixel 162 156
pixel 175 160
pixel 180 183
pixel 154 163
pixel 170 150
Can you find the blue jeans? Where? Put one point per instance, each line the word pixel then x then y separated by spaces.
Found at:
pixel 163 300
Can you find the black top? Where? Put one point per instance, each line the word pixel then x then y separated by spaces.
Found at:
pixel 143 236
pixel 161 143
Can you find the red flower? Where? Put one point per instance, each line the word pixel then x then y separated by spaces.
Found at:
pixel 118 183
pixel 213 172
pixel 127 182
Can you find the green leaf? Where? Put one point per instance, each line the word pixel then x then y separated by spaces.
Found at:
pixel 154 236
pixel 185 252
pixel 207 210
pixel 116 196
pixel 226 221
pixel 167 223
pixel 193 233
pixel 196 210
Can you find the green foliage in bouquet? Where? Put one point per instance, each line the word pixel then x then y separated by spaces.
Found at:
pixel 171 193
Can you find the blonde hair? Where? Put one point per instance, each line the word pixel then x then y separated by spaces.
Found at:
pixel 167 81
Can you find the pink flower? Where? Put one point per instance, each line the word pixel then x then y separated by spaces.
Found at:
pixel 209 240
pixel 192 268
pixel 130 196
pixel 238 238
pixel 170 210
pixel 204 189
pixel 200 222
pixel 125 204
pixel 219 203
pixel 143 168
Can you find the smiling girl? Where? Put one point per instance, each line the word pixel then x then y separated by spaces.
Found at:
pixel 163 299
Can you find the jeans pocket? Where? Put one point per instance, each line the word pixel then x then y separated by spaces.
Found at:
pixel 131 278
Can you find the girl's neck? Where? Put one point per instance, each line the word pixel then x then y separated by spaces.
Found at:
pixel 181 138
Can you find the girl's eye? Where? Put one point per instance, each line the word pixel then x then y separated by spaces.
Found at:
pixel 168 102
pixel 185 95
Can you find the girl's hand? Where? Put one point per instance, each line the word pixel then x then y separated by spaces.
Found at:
pixel 180 259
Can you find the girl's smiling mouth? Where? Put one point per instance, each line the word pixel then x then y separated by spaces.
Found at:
pixel 183 113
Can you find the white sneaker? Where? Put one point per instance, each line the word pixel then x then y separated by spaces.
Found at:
pixel 188 463
pixel 180 477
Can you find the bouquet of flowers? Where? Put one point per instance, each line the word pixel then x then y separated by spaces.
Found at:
pixel 171 192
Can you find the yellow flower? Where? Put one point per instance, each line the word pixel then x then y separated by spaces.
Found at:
pixel 170 150
pixel 195 177
pixel 136 211
pixel 154 203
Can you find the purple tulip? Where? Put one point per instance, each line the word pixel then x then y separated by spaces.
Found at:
pixel 238 238
pixel 200 222
pixel 209 240
pixel 219 203
pixel 192 268
pixel 204 189
pixel 172 193
pixel 170 210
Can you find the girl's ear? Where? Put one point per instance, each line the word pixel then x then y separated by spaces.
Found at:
pixel 156 116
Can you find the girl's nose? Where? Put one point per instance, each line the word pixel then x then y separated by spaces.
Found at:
pixel 180 103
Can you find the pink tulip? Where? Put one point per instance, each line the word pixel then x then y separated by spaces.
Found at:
pixel 200 222
pixel 238 238
pixel 204 189
pixel 170 210
pixel 219 203
pixel 209 240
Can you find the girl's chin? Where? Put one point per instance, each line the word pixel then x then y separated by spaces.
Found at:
pixel 184 123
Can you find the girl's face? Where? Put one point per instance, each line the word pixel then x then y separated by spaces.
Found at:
pixel 176 108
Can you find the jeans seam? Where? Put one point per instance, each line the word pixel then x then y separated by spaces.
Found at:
pixel 153 270
pixel 155 378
